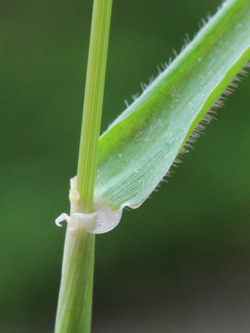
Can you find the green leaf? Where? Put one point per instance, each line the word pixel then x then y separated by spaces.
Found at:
pixel 140 146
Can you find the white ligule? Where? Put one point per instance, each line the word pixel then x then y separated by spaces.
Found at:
pixel 102 220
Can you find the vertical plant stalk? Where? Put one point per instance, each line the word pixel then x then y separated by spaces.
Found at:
pixel 75 297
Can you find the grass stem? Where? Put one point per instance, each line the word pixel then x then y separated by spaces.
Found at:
pixel 75 297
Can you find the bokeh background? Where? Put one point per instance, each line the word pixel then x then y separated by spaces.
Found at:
pixel 179 263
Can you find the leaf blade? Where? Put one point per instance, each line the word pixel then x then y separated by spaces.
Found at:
pixel 155 127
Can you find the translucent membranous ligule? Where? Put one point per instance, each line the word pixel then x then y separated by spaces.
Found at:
pixel 102 220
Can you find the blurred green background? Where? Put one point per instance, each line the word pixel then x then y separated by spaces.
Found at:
pixel 179 263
